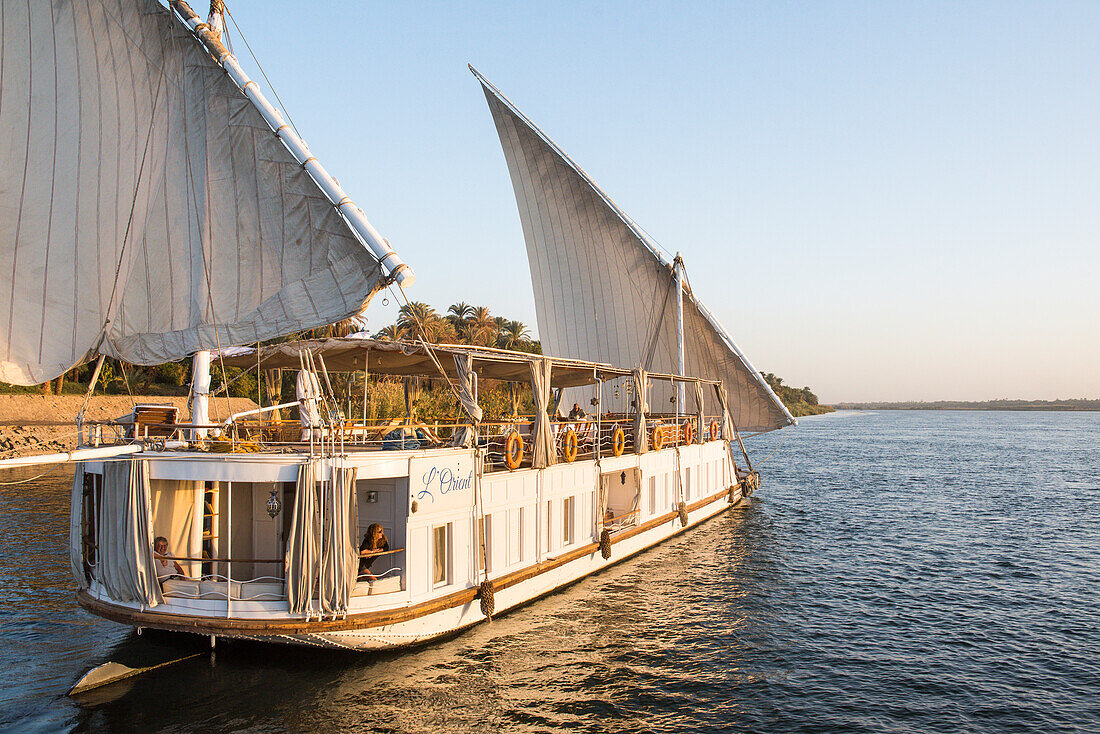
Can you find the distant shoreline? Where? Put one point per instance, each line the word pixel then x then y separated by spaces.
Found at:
pixel 1002 405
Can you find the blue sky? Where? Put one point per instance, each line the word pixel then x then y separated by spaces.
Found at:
pixel 883 201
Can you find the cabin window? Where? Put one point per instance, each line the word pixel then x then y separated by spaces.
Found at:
pixel 652 495
pixel 668 498
pixel 567 520
pixel 484 543
pixel 687 484
pixel 441 554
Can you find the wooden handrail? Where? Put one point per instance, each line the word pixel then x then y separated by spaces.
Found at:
pixel 375 554
pixel 221 560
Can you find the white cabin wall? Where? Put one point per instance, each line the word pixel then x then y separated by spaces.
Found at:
pixel 419 562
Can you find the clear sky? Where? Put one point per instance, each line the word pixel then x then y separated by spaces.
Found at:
pixel 884 201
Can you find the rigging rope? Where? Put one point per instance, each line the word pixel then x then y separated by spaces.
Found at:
pixel 781 440
pixel 262 72
pixel 34 478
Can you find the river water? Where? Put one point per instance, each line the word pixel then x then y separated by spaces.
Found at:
pixel 897 571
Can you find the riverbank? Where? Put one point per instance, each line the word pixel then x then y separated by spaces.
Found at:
pixel 800 410
pixel 1070 405
pixel 43 424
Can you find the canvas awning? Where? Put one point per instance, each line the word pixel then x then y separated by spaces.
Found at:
pixel 405 358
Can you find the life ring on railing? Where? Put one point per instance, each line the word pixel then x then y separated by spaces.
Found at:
pixel 569 446
pixel 658 438
pixel 714 435
pixel 618 441
pixel 513 450
pixel 689 432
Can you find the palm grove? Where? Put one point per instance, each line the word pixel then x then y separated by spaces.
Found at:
pixel 384 397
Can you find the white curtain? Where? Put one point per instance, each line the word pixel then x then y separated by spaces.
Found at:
pixel 464 365
pixel 76 529
pixel 542 440
pixel 727 422
pixel 303 548
pixel 641 408
pixel 339 546
pixel 125 536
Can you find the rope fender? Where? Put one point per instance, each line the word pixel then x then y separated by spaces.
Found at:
pixel 485 593
pixel 605 545
pixel 682 510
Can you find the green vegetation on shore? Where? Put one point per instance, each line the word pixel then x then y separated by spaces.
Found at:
pixel 1003 404
pixel 800 401
pixel 461 324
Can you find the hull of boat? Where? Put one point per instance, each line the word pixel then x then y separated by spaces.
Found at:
pixel 530 555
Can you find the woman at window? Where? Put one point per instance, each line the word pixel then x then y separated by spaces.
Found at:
pixel 374 544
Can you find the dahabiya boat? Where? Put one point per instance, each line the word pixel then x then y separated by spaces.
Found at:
pixel 157 207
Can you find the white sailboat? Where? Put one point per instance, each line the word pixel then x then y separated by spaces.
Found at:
pixel 156 206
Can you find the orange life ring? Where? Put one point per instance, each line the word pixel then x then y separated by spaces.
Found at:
pixel 658 438
pixel 618 441
pixel 569 445
pixel 513 450
pixel 714 434
pixel 689 432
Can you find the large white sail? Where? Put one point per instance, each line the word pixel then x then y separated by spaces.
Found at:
pixel 602 292
pixel 146 209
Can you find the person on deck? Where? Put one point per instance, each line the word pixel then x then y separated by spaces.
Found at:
pixel 308 390
pixel 166 567
pixel 374 544
pixel 577 413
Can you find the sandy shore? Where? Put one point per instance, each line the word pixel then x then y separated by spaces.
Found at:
pixel 42 424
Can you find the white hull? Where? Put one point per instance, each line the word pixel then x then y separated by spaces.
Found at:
pixel 439 624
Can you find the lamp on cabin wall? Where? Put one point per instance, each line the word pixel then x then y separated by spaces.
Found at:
pixel 274 506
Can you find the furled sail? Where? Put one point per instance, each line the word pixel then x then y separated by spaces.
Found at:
pixel 602 292
pixel 146 209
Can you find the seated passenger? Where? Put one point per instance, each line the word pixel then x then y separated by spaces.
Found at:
pixel 577 413
pixel 166 567
pixel 609 516
pixel 374 544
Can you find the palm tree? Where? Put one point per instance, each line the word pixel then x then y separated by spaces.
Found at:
pixel 390 334
pixel 459 312
pixel 416 317
pixel 484 326
pixel 513 334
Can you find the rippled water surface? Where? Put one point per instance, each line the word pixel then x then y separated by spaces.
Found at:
pixel 897 571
